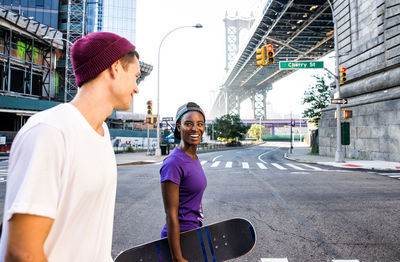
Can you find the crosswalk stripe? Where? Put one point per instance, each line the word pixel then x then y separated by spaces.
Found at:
pixel 314 167
pixel 286 260
pixel 278 166
pixel 228 164
pixel 245 165
pixel 215 164
pixel 203 162
pixel 295 167
pixel 274 260
pixel 261 165
pixel 344 260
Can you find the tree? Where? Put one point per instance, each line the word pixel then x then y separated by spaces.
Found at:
pixel 317 96
pixel 228 128
pixel 254 130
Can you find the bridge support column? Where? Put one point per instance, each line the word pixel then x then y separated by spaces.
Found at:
pixel 259 102
pixel 232 103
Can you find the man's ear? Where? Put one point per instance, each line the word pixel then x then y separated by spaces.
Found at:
pixel 114 69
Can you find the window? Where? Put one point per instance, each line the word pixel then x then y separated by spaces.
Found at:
pixel 40 3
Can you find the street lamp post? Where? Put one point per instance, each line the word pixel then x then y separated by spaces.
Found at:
pixel 158 149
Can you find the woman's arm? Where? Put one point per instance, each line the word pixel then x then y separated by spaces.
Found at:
pixel 170 193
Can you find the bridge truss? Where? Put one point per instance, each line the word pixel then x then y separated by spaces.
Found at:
pixel 298 29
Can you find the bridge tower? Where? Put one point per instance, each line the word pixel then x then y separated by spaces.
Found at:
pixel 233 26
pixel 232 103
pixel 259 101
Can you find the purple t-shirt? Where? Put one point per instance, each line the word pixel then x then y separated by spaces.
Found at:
pixel 189 175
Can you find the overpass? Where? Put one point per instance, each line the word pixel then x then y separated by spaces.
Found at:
pixel 298 30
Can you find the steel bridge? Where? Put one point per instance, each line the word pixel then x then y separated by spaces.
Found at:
pixel 298 29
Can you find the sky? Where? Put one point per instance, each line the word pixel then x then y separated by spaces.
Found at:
pixel 192 60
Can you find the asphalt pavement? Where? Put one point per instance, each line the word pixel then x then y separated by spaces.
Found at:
pixel 300 153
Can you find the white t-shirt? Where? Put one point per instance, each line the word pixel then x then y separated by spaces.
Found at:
pixel 59 167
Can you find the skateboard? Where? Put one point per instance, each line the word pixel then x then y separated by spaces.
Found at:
pixel 212 243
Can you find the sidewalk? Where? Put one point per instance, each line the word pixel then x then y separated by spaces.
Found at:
pixel 301 153
pixel 137 158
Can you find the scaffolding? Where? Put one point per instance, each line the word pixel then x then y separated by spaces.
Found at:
pixel 73 26
pixel 26 61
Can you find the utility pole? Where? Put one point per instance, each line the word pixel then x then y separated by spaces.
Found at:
pixel 339 157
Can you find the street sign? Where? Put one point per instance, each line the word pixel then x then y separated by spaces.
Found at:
pixel 340 101
pixel 292 123
pixel 301 65
pixel 167 119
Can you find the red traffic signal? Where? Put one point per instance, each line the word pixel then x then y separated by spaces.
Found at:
pixel 342 77
pixel 270 54
pixel 149 107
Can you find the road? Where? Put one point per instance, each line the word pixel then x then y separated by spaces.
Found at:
pixel 301 212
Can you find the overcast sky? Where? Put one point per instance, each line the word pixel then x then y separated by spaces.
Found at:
pixel 193 60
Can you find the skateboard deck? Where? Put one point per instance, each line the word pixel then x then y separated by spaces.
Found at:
pixel 212 243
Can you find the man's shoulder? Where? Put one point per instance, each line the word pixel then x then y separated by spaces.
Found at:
pixel 57 116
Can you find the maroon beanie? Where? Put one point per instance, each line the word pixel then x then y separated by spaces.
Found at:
pixel 96 52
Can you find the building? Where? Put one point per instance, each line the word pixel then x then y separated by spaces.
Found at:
pixel 117 16
pixel 28 83
pixel 43 11
pixel 36 72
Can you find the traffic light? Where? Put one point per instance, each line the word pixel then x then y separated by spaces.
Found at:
pixel 260 56
pixel 342 71
pixel 270 54
pixel 149 107
pixel 347 113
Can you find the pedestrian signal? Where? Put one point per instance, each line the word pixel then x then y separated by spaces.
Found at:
pixel 270 54
pixel 342 71
pixel 260 56
pixel 149 107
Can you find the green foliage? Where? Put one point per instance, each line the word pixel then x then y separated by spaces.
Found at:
pixel 254 131
pixel 317 96
pixel 228 128
pixel 129 149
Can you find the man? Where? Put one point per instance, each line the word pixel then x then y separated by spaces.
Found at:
pixel 62 172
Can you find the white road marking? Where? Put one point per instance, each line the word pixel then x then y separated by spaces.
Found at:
pixel 228 164
pixel 274 260
pixel 245 165
pixel 278 166
pixel 314 167
pixel 203 162
pixel 344 260
pixel 261 165
pixel 215 164
pixel 395 176
pixel 295 167
pixel 215 158
pixel 259 157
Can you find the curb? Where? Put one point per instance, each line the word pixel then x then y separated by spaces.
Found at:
pixel 360 168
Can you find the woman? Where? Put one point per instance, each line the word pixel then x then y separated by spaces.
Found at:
pixel 183 180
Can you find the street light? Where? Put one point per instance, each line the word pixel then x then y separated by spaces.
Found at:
pixel 158 149
pixel 67 47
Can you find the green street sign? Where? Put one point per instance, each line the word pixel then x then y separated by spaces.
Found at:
pixel 301 65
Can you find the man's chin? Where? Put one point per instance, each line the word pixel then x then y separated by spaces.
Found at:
pixel 123 107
